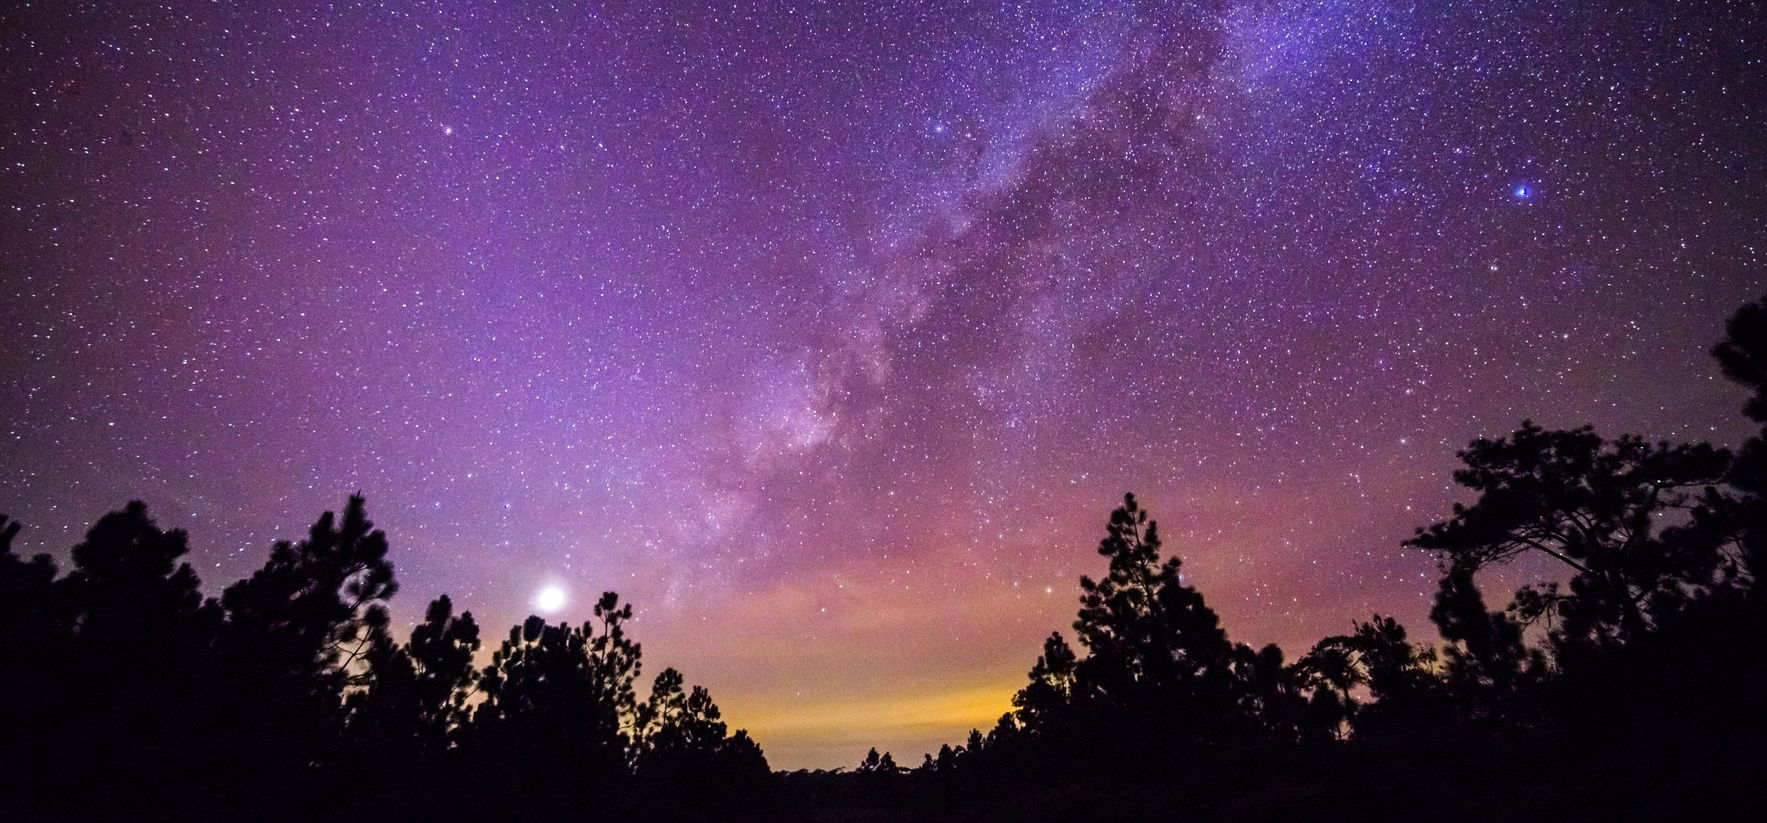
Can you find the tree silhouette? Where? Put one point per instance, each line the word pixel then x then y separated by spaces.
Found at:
pixel 1044 702
pixel 559 710
pixel 34 624
pixel 1403 685
pixel 1331 672
pixel 294 631
pixel 140 657
pixel 1594 507
pixel 36 633
pixel 308 608
pixel 874 764
pixel 1487 661
pixel 1153 642
pixel 414 695
pixel 1742 355
pixel 551 718
pixel 128 583
pixel 677 721
pixel 684 755
pixel 1274 696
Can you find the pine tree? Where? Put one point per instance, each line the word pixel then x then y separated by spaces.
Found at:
pixel 1155 644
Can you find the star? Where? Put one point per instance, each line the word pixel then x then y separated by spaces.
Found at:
pixel 549 599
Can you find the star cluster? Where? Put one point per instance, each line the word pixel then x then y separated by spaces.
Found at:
pixel 828 333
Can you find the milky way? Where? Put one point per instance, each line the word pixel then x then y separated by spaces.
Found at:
pixel 829 333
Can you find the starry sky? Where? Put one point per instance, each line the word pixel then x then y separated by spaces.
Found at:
pixel 829 333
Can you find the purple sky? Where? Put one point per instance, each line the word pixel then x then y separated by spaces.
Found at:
pixel 829 333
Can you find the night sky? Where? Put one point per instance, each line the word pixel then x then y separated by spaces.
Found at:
pixel 829 333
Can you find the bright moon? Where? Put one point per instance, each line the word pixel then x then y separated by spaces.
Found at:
pixel 549 599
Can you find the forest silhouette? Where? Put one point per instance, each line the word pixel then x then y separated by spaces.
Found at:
pixel 1628 686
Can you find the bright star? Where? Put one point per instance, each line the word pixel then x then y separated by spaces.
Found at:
pixel 1522 192
pixel 549 599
